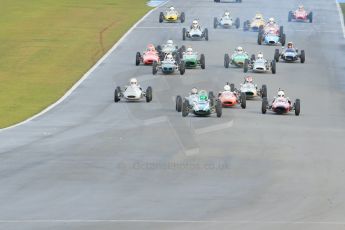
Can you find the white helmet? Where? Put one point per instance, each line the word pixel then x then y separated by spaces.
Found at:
pixel 227 87
pixel 194 90
pixel 300 7
pixel 189 50
pixel 260 56
pixel 170 42
pixel 239 49
pixel 227 13
pixel 195 22
pixel 271 21
pixel 171 8
pixel 281 93
pixel 169 56
pixel 133 81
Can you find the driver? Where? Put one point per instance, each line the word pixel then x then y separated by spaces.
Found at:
pixel 239 50
pixel 195 25
pixel 189 51
pixel 169 58
pixel 248 79
pixel 171 10
pixel 260 55
pixel 227 88
pixel 134 82
pixel 194 91
pixel 151 47
pixel 290 45
pixel 226 14
pixel 170 43
pixel 258 16
pixel 300 8
pixel 281 94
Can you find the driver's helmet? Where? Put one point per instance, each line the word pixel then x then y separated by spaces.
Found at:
pixel 248 80
pixel 300 7
pixel 133 82
pixel 281 93
pixel 169 57
pixel 189 50
pixel 289 45
pixel 194 91
pixel 227 14
pixel 195 23
pixel 171 8
pixel 151 47
pixel 260 55
pixel 258 16
pixel 271 21
pixel 226 87
pixel 239 49
pixel 170 42
pixel 203 95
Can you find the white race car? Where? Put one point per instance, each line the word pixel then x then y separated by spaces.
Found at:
pixel 196 32
pixel 133 92
pixel 251 90
pixel 259 65
pixel 226 21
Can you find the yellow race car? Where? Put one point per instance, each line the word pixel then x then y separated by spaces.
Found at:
pixel 257 22
pixel 171 15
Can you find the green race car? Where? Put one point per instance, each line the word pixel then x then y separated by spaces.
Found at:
pixel 237 58
pixel 193 60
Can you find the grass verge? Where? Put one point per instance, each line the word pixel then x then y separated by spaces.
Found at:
pixel 47 45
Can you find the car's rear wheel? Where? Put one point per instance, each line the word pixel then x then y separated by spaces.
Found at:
pixel 215 22
pixel 161 17
pixel 297 107
pixel 219 108
pixel 137 58
pixel 182 67
pixel 264 105
pixel 273 66
pixel 245 65
pixel 243 100
pixel 178 103
pixel 226 60
pixel 260 38
pixel 117 94
pixel 148 94
pixel 202 61
pixel 276 55
pixel 302 56
pixel 184 34
pixel 290 16
pixel 264 91
pixel 206 34
pixel 237 23
pixel 185 109
pixel 182 17
pixel 232 87
pixel 154 68
pixel 310 16
pixel 283 39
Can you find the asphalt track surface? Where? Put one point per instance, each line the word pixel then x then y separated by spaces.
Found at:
pixel 92 164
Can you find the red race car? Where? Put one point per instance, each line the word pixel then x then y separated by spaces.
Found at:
pixel 281 104
pixel 231 97
pixel 300 15
pixel 148 57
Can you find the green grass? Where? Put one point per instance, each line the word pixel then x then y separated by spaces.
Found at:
pixel 342 5
pixel 47 45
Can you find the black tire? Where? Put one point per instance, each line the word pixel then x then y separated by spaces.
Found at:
pixel 215 22
pixel 237 23
pixel 259 38
pixel 148 94
pixel 283 39
pixel 273 67
pixel 245 65
pixel 264 91
pixel 137 58
pixel 206 34
pixel 182 17
pixel 178 103
pixel 264 105
pixel 252 58
pixel 226 60
pixel 232 87
pixel 211 95
pixel 297 107
pixel 183 48
pixel 184 34
pixel 218 108
pixel 261 29
pixel 302 56
pixel 281 30
pixel 159 48
pixel 185 109
pixel 243 100
pixel 290 16
pixel 182 67
pixel 245 26
pixel 310 16
pixel 117 93
pixel 276 55
pixel 202 61
pixel 161 17
pixel 154 68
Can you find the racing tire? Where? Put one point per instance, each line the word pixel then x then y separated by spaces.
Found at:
pixel 216 0
pixel 215 22
pixel 243 100
pixel 202 61
pixel 273 67
pixel 310 17
pixel 182 17
pixel 276 55
pixel 178 103
pixel 117 93
pixel 245 26
pixel 259 38
pixel 137 58
pixel 281 31
pixel 261 29
pixel 264 105
pixel 252 58
pixel 185 108
pixel 148 94
pixel 237 23
pixel 245 65
pixel 182 67
pixel 290 16
pixel 206 34
pixel 159 48
pixel 183 48
pixel 283 39
pixel 184 34
pixel 302 56
pixel 154 68
pixel 211 95
pixel 264 91
pixel 161 17
pixel 218 108
pixel 226 60
pixel 232 87
pixel 297 107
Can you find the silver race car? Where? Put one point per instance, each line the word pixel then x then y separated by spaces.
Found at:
pixel 169 65
pixel 259 65
pixel 196 32
pixel 133 92
pixel 226 21
pixel 251 90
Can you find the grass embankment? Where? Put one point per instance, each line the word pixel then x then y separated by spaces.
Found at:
pixel 47 45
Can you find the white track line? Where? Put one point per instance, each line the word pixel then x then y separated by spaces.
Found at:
pixel 341 17
pixel 86 75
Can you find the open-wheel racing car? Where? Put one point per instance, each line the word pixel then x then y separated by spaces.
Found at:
pixel 170 48
pixel 259 65
pixel 133 92
pixel 171 15
pixel 147 57
pixel 257 23
pixel 195 32
pixel 237 58
pixel 169 65
pixel 281 104
pixel 199 103
pixel 230 97
pixel 226 21
pixel 192 59
pixel 290 54
pixel 251 90
pixel 300 15
pixel 271 34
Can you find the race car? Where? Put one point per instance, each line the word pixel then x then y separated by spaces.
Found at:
pixel 237 1
pixel 199 103
pixel 147 57
pixel 251 90
pixel 170 48
pixel 237 59
pixel 169 65
pixel 271 36
pixel 281 104
pixel 226 21
pixel 196 32
pixel 231 97
pixel 300 15
pixel 259 65
pixel 133 92
pixel 289 54
pixel 255 24
pixel 171 15
pixel 193 60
